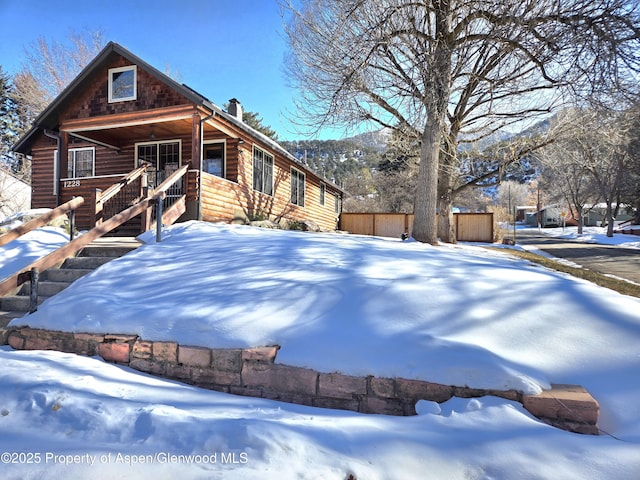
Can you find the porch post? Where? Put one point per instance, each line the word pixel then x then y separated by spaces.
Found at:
pixel 197 137
pixel 196 141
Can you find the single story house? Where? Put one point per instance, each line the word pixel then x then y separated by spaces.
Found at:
pixel 121 115
pixel 596 214
pixel 550 216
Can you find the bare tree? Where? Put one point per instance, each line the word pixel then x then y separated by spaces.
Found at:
pixel 592 158
pixel 565 177
pixel 604 143
pixel 443 71
pixel 53 64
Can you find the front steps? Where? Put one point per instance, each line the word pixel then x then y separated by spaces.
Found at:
pixel 55 280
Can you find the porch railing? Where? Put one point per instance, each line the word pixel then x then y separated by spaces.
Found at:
pixel 121 195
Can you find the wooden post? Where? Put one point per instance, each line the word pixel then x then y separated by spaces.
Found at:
pixel 196 141
pixel 72 224
pixel 145 218
pixel 95 204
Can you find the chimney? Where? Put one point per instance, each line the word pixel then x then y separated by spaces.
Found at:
pixel 235 108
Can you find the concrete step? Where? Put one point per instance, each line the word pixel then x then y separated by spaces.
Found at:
pixel 18 303
pixel 45 288
pixel 6 317
pixel 113 251
pixel 86 263
pixel 67 275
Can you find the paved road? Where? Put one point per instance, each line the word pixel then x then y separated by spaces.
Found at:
pixel 607 259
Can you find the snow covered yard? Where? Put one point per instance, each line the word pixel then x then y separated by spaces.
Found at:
pixel 358 305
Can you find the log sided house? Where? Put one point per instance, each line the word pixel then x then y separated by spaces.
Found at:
pixel 121 121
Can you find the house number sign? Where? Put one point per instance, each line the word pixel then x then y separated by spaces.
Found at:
pixel 71 183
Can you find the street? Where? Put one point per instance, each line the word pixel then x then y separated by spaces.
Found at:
pixel 606 259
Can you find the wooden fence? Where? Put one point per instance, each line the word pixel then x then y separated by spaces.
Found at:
pixel 470 227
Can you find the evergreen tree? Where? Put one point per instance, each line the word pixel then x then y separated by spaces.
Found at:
pixel 8 120
pixel 256 122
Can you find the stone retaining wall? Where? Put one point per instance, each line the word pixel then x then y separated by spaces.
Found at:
pixel 253 372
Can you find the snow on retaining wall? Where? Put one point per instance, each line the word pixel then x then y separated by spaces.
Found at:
pixel 253 372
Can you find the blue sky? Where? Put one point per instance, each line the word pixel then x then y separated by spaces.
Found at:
pixel 221 48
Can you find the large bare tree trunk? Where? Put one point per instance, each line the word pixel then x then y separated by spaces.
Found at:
pixel 424 224
pixel 448 163
pixel 446 223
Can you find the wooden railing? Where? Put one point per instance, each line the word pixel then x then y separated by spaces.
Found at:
pixel 42 220
pixel 170 200
pixel 165 192
pixel 120 195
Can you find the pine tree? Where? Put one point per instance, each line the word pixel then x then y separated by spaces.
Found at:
pixel 8 120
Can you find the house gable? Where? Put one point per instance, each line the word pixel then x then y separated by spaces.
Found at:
pixel 91 98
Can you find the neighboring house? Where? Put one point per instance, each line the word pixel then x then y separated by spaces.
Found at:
pixel 15 195
pixel 121 113
pixel 596 214
pixel 522 211
pixel 550 216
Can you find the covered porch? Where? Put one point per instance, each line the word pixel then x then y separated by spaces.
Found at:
pixel 101 153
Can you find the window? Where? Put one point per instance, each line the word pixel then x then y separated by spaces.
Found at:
pixel 163 157
pixel 81 162
pixel 262 171
pixel 336 204
pixel 214 159
pixel 123 84
pixel 297 187
pixel 323 190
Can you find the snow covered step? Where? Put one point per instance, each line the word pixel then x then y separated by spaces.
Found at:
pixel 54 280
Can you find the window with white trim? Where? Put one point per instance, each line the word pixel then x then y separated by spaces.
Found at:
pixel 123 84
pixel 262 171
pixel 81 162
pixel 214 161
pixel 297 187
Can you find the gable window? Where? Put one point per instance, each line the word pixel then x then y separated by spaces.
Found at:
pixel 297 187
pixel 214 159
pixel 81 162
pixel 323 190
pixel 262 171
pixel 123 84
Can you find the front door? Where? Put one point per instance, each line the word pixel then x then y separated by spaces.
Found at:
pixel 163 159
